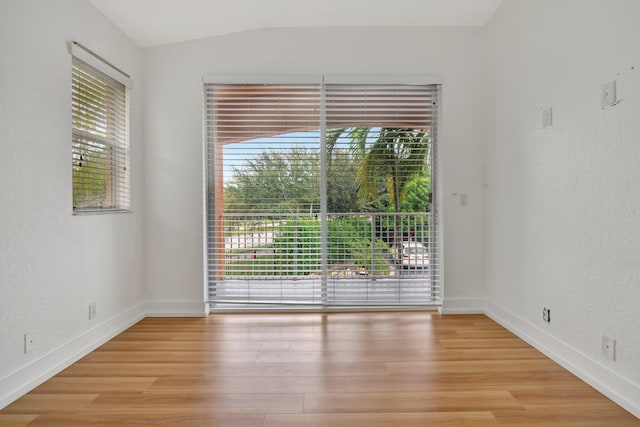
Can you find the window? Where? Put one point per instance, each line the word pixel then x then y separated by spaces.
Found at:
pixel 100 134
pixel 321 194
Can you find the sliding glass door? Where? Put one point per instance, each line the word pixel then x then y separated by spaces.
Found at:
pixel 321 195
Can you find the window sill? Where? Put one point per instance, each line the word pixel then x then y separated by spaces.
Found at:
pixel 99 211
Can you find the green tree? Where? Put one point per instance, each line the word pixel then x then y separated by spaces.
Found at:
pixel 276 182
pixel 288 181
pixel 417 195
pixel 342 190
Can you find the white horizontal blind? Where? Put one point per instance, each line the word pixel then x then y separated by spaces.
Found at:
pixel 398 106
pixel 381 147
pixel 265 186
pixel 100 141
pixel 264 181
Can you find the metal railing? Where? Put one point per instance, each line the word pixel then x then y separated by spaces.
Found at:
pixel 265 246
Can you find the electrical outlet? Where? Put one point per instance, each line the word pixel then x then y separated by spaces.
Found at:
pixel 29 342
pixel 546 315
pixel 608 347
pixel 92 311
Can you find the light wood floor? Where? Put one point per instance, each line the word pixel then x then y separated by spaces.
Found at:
pixel 338 370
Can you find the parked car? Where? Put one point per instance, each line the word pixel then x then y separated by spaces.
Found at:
pixel 414 255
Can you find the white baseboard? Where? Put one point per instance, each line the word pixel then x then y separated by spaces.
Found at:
pixel 30 376
pixel 176 308
pixel 618 389
pixel 462 306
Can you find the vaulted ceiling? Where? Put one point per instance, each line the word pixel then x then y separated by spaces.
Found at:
pixel 158 22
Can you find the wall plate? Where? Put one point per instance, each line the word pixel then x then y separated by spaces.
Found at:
pixel 29 342
pixel 608 347
pixel 608 94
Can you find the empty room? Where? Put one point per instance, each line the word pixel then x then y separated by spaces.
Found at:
pixel 340 213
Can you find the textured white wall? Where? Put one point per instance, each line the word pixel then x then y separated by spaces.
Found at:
pixel 52 264
pixel 173 124
pixel 563 205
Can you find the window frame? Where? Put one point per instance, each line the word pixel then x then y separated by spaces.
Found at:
pixel 113 152
pixel 323 81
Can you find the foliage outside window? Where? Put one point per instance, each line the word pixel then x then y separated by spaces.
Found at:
pixel 100 150
pixel 370 170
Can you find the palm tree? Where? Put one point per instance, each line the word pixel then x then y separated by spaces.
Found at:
pixel 391 155
pixel 395 155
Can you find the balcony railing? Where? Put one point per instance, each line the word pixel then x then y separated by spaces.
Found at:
pixel 288 257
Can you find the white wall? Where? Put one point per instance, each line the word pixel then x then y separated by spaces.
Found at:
pixel 173 124
pixel 563 205
pixel 52 264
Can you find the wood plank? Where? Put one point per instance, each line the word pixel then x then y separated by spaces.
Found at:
pixel 443 354
pixel 43 403
pixel 173 356
pixel 438 381
pixel 178 418
pixel 552 415
pixel 478 366
pixel 197 403
pixel 216 327
pixel 9 420
pixel 484 342
pixel 476 419
pixel 565 399
pixel 341 356
pixel 229 384
pixel 77 385
pixel 222 336
pixel 199 345
pixel 368 343
pixel 485 333
pixel 410 402
pixel 82 369
pixel 304 369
